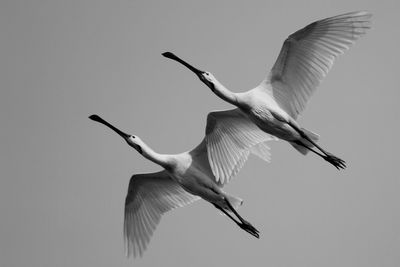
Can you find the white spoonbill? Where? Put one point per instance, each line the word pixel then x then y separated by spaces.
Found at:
pixel 186 177
pixel 305 58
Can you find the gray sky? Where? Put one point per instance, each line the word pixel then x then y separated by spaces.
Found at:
pixel 64 177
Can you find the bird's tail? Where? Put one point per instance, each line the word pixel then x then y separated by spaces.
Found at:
pixel 234 201
pixel 303 150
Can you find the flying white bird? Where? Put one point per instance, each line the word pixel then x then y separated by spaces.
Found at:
pixel 304 60
pixel 188 177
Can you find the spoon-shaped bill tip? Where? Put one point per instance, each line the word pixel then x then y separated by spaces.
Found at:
pixel 115 129
pixel 187 65
pixel 168 55
pixel 95 117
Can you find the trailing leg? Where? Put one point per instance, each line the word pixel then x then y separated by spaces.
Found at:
pixel 244 224
pixel 241 223
pixel 335 161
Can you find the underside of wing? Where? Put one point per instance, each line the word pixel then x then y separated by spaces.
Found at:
pixel 307 56
pixel 149 196
pixel 262 151
pixel 230 138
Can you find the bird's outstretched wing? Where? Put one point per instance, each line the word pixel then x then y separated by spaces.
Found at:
pixel 149 196
pixel 230 138
pixel 308 54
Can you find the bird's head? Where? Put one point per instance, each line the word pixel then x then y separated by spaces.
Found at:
pixel 135 142
pixel 205 76
pixel 132 140
pixel 209 79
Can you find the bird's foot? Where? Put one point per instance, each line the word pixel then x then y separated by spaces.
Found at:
pixel 250 229
pixel 335 161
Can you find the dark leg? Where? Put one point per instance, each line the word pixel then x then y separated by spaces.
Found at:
pixel 335 161
pixel 234 211
pixel 242 223
pixel 309 148
pixel 226 213
pixel 245 224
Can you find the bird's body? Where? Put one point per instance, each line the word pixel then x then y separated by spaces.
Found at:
pixel 192 171
pixel 267 115
pixel 305 58
pixel 186 178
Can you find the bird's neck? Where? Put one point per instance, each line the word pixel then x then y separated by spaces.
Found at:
pixel 160 159
pixel 225 94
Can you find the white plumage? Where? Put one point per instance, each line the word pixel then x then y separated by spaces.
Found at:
pixel 229 135
pixel 149 196
pixel 307 55
pixel 188 177
pixel 305 58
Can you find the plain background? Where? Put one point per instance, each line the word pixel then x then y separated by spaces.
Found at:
pixel 64 177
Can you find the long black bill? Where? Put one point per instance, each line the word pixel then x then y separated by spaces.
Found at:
pixel 118 131
pixel 174 57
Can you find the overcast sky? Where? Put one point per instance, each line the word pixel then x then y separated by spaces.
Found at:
pixel 64 178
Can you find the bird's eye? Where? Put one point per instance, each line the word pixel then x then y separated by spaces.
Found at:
pixel 133 136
